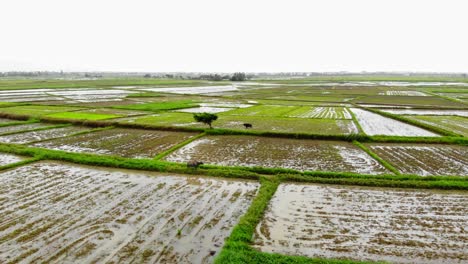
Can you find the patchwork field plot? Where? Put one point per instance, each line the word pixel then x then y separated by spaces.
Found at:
pixel 17 128
pixel 92 95
pixel 406 93
pixel 205 109
pixel 37 110
pixel 264 110
pixel 399 226
pixel 63 213
pixel 321 112
pixel 408 100
pixel 32 136
pixel 455 124
pixel 194 90
pixel 132 143
pixel 276 124
pixel 6 159
pixel 273 152
pixel 425 159
pixel 374 124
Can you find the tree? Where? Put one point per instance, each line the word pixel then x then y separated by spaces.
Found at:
pixel 238 77
pixel 205 118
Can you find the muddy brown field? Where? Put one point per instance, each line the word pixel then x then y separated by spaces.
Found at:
pixel 54 212
pixel 395 225
pixel 425 159
pixel 275 152
pixel 132 143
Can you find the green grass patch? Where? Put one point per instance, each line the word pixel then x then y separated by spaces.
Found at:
pixel 159 106
pixel 82 115
pixel 454 124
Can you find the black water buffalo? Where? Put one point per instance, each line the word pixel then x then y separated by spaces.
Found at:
pixel 194 164
pixel 247 125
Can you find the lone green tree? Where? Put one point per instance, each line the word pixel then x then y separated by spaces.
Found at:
pixel 205 118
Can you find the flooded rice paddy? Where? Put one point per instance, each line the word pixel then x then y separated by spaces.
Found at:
pixel 194 90
pixel 374 124
pixel 427 112
pixel 321 112
pixel 274 152
pixel 131 143
pixel 17 128
pixel 406 93
pixel 61 213
pixel 456 124
pixel 27 137
pixel 425 160
pixel 395 225
pixel 6 159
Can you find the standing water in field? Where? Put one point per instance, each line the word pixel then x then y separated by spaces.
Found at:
pixel 374 124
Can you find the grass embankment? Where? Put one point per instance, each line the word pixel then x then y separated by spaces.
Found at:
pixel 434 129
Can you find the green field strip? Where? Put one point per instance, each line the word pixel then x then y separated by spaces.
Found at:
pixel 35 129
pixel 383 162
pixel 178 146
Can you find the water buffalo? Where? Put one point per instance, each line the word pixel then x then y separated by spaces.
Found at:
pixel 194 164
pixel 247 125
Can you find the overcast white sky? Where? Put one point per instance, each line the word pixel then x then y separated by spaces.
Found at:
pixel 227 36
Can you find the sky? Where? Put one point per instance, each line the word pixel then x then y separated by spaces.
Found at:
pixel 230 36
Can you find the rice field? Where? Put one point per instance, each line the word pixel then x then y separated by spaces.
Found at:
pixel 6 159
pixel 63 213
pixel 456 124
pixel 131 143
pixel 425 160
pixel 394 225
pixel 278 153
pixel 34 136
pixel 406 93
pixel 427 112
pixel 374 124
pixel 19 128
pixel 321 112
